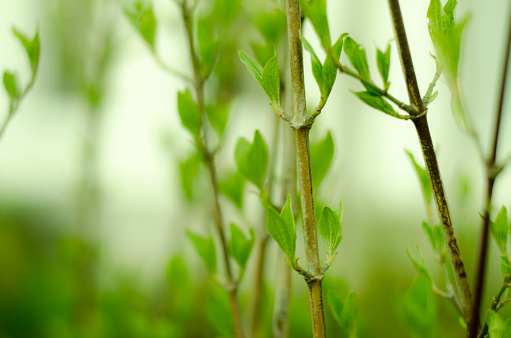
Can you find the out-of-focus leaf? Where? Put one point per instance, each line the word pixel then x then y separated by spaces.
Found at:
pixel 435 236
pixel 262 52
pixel 252 159
pixel 282 228
pixel 496 326
pixel 315 10
pixel 322 154
pixel 423 175
pixel 188 171
pixel 420 266
pixel 344 312
pixel 240 246
pixel 218 117
pixel 357 57
pixel 189 112
pixel 33 48
pixel 383 59
pixel 271 25
pixel 11 86
pixel 499 230
pixel 330 228
pixel 233 188
pixel 206 249
pixel 505 265
pixel 142 18
pixel 208 44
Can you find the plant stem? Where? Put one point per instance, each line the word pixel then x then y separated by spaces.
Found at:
pixel 428 151
pixel 496 301
pixel 4 125
pixel 492 174
pixel 304 169
pixel 198 82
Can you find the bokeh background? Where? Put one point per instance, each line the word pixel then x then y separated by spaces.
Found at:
pixel 92 211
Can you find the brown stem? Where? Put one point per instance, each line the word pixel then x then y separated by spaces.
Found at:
pixel 428 151
pixel 232 286
pixel 492 174
pixel 304 169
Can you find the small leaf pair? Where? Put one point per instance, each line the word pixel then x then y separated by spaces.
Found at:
pixel 268 77
pixel 282 229
pixel 252 159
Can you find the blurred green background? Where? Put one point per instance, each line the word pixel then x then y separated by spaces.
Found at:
pixel 93 214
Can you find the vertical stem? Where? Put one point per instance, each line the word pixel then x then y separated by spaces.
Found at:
pixel 491 175
pixel 232 286
pixel 304 169
pixel 428 151
pixel 4 125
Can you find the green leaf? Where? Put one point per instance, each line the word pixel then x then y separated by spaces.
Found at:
pixel 188 171
pixel 505 265
pixel 218 117
pixel 330 228
pixel 317 67
pixel 507 328
pixel 499 230
pixel 321 154
pixel 345 311
pixel 330 69
pixel 383 59
pixel 208 44
pixel 32 47
pixel 252 159
pixel 357 57
pixel 253 67
pixel 423 175
pixel 271 80
pixel 282 229
pixel 420 266
pixel 240 246
pixel 262 52
pixel 142 18
pixel 206 249
pixel 11 86
pixel 189 112
pixel 271 25
pixel 315 10
pixel 233 188
pixel 376 101
pixel 496 326
pixel 435 236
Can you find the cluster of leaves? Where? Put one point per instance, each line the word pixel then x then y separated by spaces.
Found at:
pixel 500 230
pixel 12 86
pixel 446 35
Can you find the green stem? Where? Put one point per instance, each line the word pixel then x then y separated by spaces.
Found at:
pixel 198 81
pixel 496 301
pixel 304 168
pixel 428 151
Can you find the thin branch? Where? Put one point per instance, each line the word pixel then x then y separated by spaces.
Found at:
pixel 492 174
pixel 198 82
pixel 304 169
pixel 171 71
pixel 495 302
pixel 421 125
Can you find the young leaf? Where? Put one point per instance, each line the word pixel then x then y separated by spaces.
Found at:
pixel 495 325
pixel 271 25
pixel 252 159
pixel 330 228
pixel 357 57
pixel 424 179
pixel 233 188
pixel 271 80
pixel 505 265
pixel 420 266
pixel 32 47
pixel 240 246
pixel 206 249
pixel 435 236
pixel 253 67
pixel 188 170
pixel 344 312
pixel 376 101
pixel 142 18
pixel 11 86
pixel 208 44
pixel 189 112
pixel 499 230
pixel 282 229
pixel 218 117
pixel 322 154
pixel 384 64
pixel 317 67
pixel 330 69
pixel 315 10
